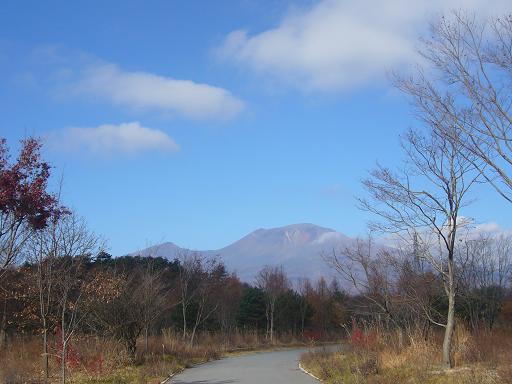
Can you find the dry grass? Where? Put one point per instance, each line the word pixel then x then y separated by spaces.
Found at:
pixel 484 358
pixel 102 360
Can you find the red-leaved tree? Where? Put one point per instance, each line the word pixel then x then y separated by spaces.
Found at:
pixel 26 206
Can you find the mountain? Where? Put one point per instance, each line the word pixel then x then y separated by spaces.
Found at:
pixel 297 247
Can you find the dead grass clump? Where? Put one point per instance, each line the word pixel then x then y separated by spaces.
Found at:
pixel 465 349
pixel 365 365
pixel 324 364
pixel 418 352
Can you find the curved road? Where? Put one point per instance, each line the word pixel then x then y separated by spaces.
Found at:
pixel 275 367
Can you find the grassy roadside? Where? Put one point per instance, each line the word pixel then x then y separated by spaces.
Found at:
pixel 156 369
pixel 105 361
pixel 481 359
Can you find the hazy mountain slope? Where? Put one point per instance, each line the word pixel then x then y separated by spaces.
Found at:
pixel 297 247
pixel 167 250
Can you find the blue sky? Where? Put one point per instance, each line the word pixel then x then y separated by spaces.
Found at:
pixel 199 121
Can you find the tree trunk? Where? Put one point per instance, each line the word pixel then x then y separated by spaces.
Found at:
pixel 449 330
pixel 3 326
pixel 184 310
pixel 267 325
pixel 63 361
pixel 45 351
pixel 146 338
pixel 272 326
pixel 199 316
pixel 192 336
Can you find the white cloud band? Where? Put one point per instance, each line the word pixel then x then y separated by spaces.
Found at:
pixel 108 139
pixel 146 91
pixel 340 44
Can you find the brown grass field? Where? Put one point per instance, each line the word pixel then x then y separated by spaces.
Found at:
pixel 100 360
pixel 483 358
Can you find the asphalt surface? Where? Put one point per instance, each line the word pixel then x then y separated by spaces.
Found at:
pixel 275 367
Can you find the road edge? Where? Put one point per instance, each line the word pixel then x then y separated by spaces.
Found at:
pixel 308 373
pixel 169 378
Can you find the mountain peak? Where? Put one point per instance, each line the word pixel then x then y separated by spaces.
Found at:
pixel 297 247
pixel 298 226
pixel 291 235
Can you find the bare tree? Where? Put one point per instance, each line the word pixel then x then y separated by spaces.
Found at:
pixel 418 287
pixel 211 278
pixel 43 253
pixel 364 267
pixel 230 294
pixel 468 81
pixel 487 261
pixel 154 296
pixel 73 244
pixel 190 268
pixel 424 199
pixel 273 281
pixel 304 289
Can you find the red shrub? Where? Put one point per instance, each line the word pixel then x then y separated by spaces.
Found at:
pixel 71 357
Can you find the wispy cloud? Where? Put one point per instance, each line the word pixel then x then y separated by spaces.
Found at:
pixel 338 44
pixel 110 139
pixel 77 74
pixel 147 91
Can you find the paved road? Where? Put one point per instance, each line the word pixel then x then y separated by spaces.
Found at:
pixel 276 367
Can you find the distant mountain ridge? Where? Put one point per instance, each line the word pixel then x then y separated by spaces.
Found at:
pixel 297 247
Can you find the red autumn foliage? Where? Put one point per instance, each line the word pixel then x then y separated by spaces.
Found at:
pixel 361 339
pixel 23 185
pixel 25 203
pixel 71 357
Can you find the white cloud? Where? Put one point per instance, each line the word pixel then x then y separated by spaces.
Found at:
pixel 147 91
pixel 109 139
pixel 341 44
pixel 467 229
pixel 488 227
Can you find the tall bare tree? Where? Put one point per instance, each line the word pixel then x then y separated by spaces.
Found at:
pixel 230 295
pixel 189 272
pixel 155 296
pixel 424 198
pixel 468 80
pixel 304 289
pixel 211 278
pixel 73 244
pixel 43 253
pixel 273 281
